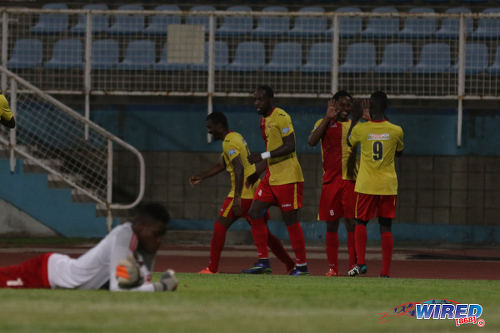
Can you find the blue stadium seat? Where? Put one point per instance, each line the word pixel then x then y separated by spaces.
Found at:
pixel 100 23
pixel 309 26
pixel 51 23
pixel 494 69
pixel 27 53
pixel 268 26
pixel 104 54
pixel 159 23
pixel 349 26
pixel 140 55
pixel 221 57
pixel 128 24
pixel 164 65
pixel 450 26
pixel 360 58
pixel 66 54
pixel 488 27
pixel 200 20
pixel 250 56
pixel 476 59
pixel 319 59
pixel 434 59
pixel 398 58
pixel 236 25
pixel 382 26
pixel 419 27
pixel 286 57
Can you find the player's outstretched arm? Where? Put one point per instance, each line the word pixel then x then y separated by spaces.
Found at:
pixel 215 169
pixel 319 132
pixel 260 167
pixel 286 148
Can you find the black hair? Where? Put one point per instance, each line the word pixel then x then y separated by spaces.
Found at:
pixel 155 211
pixel 267 90
pixel 340 94
pixel 378 102
pixel 218 118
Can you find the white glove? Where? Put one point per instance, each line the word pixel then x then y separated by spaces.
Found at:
pixel 168 282
pixel 128 273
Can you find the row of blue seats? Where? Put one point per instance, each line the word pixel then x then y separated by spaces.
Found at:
pixel 251 56
pixel 272 26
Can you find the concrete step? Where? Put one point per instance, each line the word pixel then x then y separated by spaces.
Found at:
pixel 58 182
pixel 32 167
pixel 80 196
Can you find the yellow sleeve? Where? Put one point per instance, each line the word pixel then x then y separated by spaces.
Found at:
pixel 316 125
pixel 285 125
pixel 5 112
pixel 355 137
pixel 400 142
pixel 231 149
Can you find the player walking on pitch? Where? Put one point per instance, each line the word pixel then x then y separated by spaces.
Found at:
pixel 234 161
pixel 376 183
pixel 283 182
pixel 123 260
pixel 337 192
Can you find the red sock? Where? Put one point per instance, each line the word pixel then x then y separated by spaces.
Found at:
pixel 387 245
pixel 360 243
pixel 332 248
pixel 216 246
pixel 259 233
pixel 279 251
pixel 351 249
pixel 298 242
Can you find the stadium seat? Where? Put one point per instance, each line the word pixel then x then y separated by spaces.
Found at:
pixel 450 26
pixel 268 26
pixel 100 23
pixel 236 25
pixel 382 26
pixel 164 65
pixel 51 23
pixel 128 24
pixel 286 57
pixel 398 58
pixel 200 20
pixel 494 69
pixel 159 23
pixel 319 59
pixel 140 55
pixel 419 27
pixel 27 53
pixel 66 54
pixel 104 54
pixel 476 58
pixel 309 26
pixel 360 58
pixel 250 56
pixel 488 27
pixel 349 26
pixel 221 57
pixel 434 58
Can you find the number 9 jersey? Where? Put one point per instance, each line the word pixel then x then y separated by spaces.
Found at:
pixel 379 140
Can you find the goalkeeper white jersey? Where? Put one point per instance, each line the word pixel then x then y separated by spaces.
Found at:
pixel 97 267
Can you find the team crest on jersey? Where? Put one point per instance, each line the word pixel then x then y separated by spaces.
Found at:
pixel 231 152
pixel 378 137
pixel 285 130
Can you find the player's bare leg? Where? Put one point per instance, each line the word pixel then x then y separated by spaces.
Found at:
pixel 350 225
pixel 297 239
pixel 332 246
pixel 360 244
pixel 217 243
pixel 387 245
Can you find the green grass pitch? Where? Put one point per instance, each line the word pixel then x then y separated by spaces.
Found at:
pixel 237 303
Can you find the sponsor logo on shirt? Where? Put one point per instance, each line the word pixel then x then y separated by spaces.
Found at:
pixel 378 137
pixel 15 283
pixel 285 130
pixel 286 205
pixel 231 152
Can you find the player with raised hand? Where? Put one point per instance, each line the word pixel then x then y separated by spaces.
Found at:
pixel 234 160
pixel 123 260
pixel 6 116
pixel 376 183
pixel 337 192
pixel 283 182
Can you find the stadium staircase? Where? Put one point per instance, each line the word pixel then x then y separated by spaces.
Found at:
pixel 61 164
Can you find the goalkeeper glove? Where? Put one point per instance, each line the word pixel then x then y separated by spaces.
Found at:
pixel 168 282
pixel 128 273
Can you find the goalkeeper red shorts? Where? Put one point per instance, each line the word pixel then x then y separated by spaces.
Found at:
pixel 32 273
pixel 369 206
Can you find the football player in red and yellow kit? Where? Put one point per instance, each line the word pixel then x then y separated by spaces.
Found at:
pixel 234 161
pixel 376 183
pixel 337 192
pixel 283 182
pixel 6 116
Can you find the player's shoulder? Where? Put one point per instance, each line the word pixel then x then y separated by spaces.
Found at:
pixel 279 113
pixel 394 127
pixel 233 138
pixel 124 228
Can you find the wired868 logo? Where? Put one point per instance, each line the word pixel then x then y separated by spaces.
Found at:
pixel 438 309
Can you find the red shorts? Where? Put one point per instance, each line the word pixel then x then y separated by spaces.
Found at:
pixel 227 208
pixel 337 200
pixel 32 273
pixel 288 196
pixel 367 205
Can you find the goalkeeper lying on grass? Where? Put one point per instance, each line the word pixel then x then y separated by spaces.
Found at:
pixel 123 260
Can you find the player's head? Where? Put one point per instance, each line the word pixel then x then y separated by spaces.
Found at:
pixel 378 104
pixel 217 125
pixel 264 96
pixel 344 102
pixel 150 225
